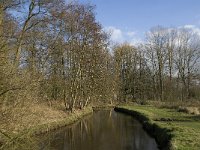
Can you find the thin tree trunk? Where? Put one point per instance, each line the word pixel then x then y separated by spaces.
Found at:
pixel 21 37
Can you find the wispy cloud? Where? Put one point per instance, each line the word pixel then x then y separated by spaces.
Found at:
pixel 131 34
pixel 120 36
pixel 189 26
pixel 194 28
pixel 116 34
pixel 136 41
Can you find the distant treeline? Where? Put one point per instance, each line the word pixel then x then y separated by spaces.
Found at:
pixel 164 67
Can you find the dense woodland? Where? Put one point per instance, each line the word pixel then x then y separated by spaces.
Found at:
pixel 51 50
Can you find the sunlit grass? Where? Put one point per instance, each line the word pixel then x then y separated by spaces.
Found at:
pixel 185 128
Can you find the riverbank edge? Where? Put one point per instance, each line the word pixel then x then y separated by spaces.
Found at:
pixel 48 127
pixel 72 118
pixel 163 136
pixel 103 107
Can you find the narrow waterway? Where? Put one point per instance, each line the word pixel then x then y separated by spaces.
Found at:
pixel 104 130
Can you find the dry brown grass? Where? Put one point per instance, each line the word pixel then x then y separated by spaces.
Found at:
pixel 189 110
pixel 175 104
pixel 21 118
pixel 190 106
pixel 20 124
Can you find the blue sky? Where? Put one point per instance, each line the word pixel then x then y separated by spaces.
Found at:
pixel 130 19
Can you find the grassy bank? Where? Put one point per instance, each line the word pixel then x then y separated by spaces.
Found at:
pixel 19 134
pixel 103 107
pixel 172 129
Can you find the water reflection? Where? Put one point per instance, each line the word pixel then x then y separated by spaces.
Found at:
pixel 104 130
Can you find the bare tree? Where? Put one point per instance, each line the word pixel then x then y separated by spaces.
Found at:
pixel 187 56
pixel 157 42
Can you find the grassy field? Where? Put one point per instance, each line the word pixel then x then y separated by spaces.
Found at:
pixel 183 129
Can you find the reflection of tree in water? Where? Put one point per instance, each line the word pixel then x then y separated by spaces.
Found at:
pixel 104 130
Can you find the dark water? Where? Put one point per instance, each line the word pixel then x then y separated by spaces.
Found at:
pixel 104 130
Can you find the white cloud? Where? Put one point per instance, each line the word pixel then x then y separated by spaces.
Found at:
pixel 120 36
pixel 135 41
pixel 116 34
pixel 131 34
pixel 189 26
pixel 194 28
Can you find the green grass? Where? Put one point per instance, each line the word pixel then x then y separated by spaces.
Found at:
pixel 184 128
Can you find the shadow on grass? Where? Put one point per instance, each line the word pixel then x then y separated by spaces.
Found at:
pixel 194 118
pixel 191 118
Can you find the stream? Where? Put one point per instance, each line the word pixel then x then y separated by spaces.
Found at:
pixel 103 130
